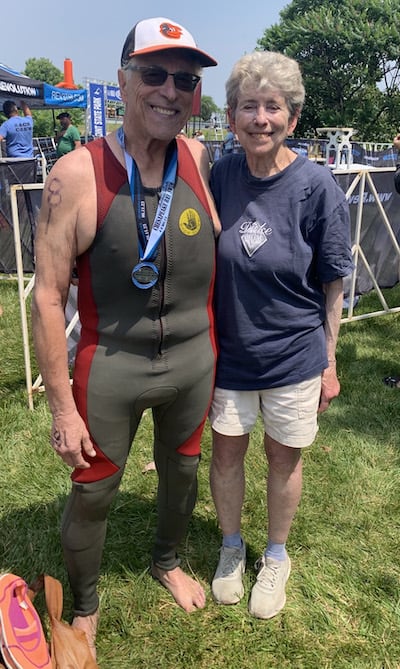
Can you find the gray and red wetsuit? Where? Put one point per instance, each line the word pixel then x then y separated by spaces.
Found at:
pixel 140 349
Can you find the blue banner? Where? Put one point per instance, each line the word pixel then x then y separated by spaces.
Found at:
pixel 97 110
pixel 63 97
pixel 113 94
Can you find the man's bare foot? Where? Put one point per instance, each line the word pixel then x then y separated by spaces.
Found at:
pixel 187 592
pixel 88 624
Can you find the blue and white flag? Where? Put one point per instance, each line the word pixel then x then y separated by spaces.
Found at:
pixel 97 110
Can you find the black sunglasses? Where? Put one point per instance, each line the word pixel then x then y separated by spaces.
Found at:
pixel 157 76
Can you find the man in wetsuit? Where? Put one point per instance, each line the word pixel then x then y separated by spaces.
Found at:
pixel 133 211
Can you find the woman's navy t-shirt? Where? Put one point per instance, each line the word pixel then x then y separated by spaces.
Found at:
pixel 282 238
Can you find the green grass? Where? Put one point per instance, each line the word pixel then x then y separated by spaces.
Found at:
pixel 343 596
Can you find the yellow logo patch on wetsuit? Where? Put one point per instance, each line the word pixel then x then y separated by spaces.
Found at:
pixel 189 222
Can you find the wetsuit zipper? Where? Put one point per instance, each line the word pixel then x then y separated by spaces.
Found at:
pixel 163 266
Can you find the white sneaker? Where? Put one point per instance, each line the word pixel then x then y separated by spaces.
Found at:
pixel 268 595
pixel 227 585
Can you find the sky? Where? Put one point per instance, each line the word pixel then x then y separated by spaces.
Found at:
pixel 91 33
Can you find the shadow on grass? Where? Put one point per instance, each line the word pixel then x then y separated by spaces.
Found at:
pixel 30 541
pixel 368 351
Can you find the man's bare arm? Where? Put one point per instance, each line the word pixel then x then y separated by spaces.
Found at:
pixel 64 230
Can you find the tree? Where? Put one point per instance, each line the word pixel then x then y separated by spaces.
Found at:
pixel 44 70
pixel 349 51
pixel 208 107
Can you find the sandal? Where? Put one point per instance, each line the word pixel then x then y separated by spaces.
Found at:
pixel 21 634
pixel 392 381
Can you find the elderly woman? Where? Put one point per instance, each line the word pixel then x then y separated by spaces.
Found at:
pixel 282 254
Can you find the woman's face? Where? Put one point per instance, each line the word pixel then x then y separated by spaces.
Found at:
pixel 262 121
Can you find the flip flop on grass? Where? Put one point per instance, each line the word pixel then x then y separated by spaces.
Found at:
pixel 23 645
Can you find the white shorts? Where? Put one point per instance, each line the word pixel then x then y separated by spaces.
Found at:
pixel 289 412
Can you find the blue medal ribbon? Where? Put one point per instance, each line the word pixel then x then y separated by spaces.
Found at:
pixel 145 273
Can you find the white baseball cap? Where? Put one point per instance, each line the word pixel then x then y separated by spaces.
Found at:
pixel 157 34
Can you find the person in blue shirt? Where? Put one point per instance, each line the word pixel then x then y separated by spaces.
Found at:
pixel 229 143
pixel 17 130
pixel 282 254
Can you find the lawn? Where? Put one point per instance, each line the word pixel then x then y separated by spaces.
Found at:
pixel 343 596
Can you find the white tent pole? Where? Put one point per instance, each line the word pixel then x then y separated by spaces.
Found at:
pixel 21 286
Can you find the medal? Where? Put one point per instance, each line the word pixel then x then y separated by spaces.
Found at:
pixel 144 275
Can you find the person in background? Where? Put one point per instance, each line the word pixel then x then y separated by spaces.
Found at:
pixel 68 138
pixel 17 131
pixel 145 305
pixel 282 255
pixel 393 381
pixel 396 142
pixel 228 143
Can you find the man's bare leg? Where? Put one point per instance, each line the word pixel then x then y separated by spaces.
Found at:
pixel 88 624
pixel 187 592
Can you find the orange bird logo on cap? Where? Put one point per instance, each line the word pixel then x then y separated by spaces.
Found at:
pixel 170 31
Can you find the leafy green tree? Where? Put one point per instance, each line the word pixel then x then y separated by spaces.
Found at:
pixel 44 70
pixel 44 123
pixel 349 51
pixel 208 107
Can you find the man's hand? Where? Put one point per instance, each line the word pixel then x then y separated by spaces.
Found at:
pixel 70 440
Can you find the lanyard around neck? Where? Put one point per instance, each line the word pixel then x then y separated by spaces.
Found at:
pixel 149 241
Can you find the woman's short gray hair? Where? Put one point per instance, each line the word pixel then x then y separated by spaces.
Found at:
pixel 263 70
